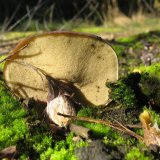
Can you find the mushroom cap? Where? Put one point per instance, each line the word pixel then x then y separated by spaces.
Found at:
pixel 85 60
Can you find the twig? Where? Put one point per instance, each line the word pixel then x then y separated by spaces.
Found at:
pixel 31 14
pixel 6 24
pixel 51 13
pixel 29 18
pixel 93 11
pixel 108 123
pixel 46 25
pixel 76 16
pixel 37 26
pixel 149 7
pixel 130 132
pixel 38 6
pixel 134 126
pixel 117 126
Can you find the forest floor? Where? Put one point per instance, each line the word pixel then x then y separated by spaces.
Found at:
pixel 138 89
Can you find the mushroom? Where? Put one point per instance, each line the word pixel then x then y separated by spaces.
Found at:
pixel 59 101
pixel 84 60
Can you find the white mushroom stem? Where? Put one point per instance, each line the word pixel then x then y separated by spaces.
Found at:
pixel 62 105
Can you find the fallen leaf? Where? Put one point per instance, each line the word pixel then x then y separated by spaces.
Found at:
pixel 151 130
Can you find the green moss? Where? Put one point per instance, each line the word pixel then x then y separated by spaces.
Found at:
pixel 137 89
pixel 150 83
pixel 63 150
pixel 153 70
pixel 110 136
pixel 151 36
pixel 13 126
pixel 11 35
pixel 2 64
pixel 137 153
pixel 86 112
pixel 150 87
pixel 127 39
pixel 26 131
pixel 113 138
pixel 99 130
pixel 96 29
pixel 35 140
pixel 41 144
pixel 131 50
pixel 134 42
pixel 122 93
pixel 119 49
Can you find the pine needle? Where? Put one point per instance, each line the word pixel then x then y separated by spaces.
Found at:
pixel 117 125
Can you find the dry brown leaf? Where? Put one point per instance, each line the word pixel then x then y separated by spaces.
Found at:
pixel 150 130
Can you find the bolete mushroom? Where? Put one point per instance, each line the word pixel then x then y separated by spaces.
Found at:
pixel 85 60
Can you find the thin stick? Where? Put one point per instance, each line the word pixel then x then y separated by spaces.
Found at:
pixel 117 126
pixel 35 9
pixel 134 126
pixel 130 132
pixel 108 123
pixel 77 15
pixel 7 23
pixel 93 11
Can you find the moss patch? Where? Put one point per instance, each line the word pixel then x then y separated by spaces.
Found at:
pixel 153 70
pixel 63 150
pixel 137 50
pixel 13 126
pixel 98 130
pixel 25 130
pixel 137 153
pixel 122 94
pixel 150 84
